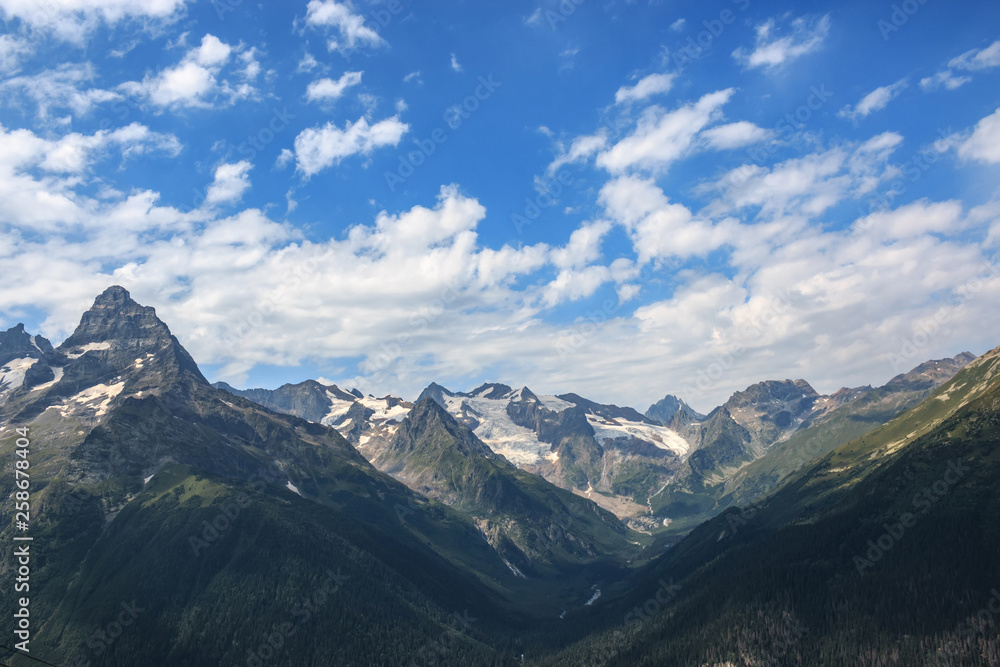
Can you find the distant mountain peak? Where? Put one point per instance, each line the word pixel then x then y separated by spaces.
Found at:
pixel 666 408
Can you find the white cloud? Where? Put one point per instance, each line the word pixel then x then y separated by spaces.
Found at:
pixel 428 302
pixel 328 89
pixel 584 246
pixel 772 51
pixel 678 25
pixel 944 79
pixel 654 84
pixel 62 88
pixel 350 27
pixel 231 181
pixel 74 153
pixel 73 20
pixel 308 63
pixel 455 65
pixel 212 52
pixel 735 135
pixel 662 137
pixel 975 60
pixel 658 227
pixel 983 145
pixel 978 59
pixel 194 82
pixel 808 185
pixel 251 66
pixel 916 219
pixel 12 51
pixel 876 100
pixel 582 148
pixel 574 284
pixel 322 147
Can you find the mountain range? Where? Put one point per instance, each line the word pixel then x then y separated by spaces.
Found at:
pixel 668 468
pixel 309 525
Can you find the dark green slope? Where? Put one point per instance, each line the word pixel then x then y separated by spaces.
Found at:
pixel 883 552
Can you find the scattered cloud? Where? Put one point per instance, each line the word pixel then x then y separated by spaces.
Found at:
pixel 231 181
pixel 66 87
pixel 582 148
pixel 663 137
pixel 455 65
pixel 350 27
pixel 771 50
pixel 654 84
pixel 678 25
pixel 308 63
pixel 975 60
pixel 735 135
pixel 74 20
pixel 13 49
pixel 328 89
pixel 321 147
pixel 194 82
pixel 874 101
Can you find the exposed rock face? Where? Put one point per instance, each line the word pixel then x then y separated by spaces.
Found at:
pixel 530 522
pixel 666 408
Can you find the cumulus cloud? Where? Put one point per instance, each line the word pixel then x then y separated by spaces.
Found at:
pixel 73 20
pixel 321 147
pixel 983 145
pixel 328 89
pixel 808 185
pixel 771 50
pixel 194 82
pixel 658 227
pixel 231 181
pixel 74 153
pixel 66 87
pixel 349 26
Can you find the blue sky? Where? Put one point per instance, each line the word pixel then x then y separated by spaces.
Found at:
pixel 621 199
